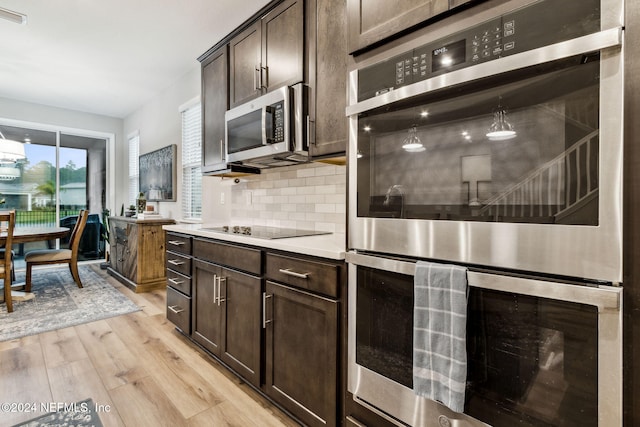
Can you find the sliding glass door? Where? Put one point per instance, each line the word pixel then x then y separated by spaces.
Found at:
pixel 61 174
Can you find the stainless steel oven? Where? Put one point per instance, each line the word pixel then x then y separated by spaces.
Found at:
pixel 494 139
pixel 540 353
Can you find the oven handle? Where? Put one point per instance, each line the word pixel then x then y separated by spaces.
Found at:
pixel 605 297
pixel 589 43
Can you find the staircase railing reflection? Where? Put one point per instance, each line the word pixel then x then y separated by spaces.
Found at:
pixel 553 188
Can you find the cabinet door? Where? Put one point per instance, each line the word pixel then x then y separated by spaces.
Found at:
pixel 245 65
pixel 215 101
pixel 240 300
pixel 206 320
pixel 283 45
pixel 301 353
pixel 372 21
pixel 151 253
pixel 329 81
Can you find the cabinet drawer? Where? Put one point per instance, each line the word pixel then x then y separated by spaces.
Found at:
pixel 302 273
pixel 179 282
pixel 179 263
pixel 241 258
pixel 178 243
pixel 179 310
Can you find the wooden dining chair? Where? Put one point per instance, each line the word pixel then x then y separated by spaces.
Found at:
pixel 13 255
pixel 59 256
pixel 8 220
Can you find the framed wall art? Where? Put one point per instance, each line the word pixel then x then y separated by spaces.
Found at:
pixel 157 171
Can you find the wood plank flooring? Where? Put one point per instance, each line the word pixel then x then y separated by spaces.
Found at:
pixel 137 367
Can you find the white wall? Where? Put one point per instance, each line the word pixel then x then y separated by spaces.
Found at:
pixel 159 124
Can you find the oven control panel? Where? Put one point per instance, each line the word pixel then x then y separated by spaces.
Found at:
pixel 537 25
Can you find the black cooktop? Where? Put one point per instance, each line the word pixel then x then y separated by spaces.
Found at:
pixel 264 232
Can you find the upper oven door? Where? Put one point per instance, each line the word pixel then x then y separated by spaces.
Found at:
pixel 496 144
pixel 260 127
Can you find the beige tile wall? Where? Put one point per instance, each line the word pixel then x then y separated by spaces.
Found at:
pixel 310 196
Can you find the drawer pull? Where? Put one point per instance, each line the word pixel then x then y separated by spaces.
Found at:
pixel 289 272
pixel 175 262
pixel 173 308
pixel 176 282
pixel 176 242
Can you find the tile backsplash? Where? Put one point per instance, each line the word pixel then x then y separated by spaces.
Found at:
pixel 309 196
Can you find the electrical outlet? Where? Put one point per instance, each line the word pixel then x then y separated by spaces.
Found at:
pixel 222 198
pixel 248 197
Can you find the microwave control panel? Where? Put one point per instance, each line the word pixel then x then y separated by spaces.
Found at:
pixel 537 25
pixel 277 114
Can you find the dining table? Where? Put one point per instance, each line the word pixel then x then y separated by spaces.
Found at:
pixel 23 235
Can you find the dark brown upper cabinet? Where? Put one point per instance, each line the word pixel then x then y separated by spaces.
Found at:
pixel 372 21
pixel 269 54
pixel 327 46
pixel 215 101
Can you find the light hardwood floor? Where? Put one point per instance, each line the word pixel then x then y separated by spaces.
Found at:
pixel 138 364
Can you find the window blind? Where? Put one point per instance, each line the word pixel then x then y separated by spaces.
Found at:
pixel 191 162
pixel 134 152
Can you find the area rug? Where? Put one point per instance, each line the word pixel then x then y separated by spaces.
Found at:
pixel 79 414
pixel 59 303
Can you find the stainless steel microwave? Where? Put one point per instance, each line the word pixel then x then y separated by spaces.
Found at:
pixel 270 130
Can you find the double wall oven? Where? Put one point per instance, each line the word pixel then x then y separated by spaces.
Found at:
pixel 493 140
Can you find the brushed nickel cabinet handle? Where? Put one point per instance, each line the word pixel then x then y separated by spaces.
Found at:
pixel 289 272
pixel 176 282
pixel 173 309
pixel 220 280
pixel 175 262
pixel 176 242
pixel 215 292
pixel 264 80
pixel 264 310
pixel 256 79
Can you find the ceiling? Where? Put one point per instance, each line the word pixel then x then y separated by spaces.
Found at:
pixel 108 57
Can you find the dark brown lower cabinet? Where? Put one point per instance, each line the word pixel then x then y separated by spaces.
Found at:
pixel 226 317
pixel 301 345
pixel 274 318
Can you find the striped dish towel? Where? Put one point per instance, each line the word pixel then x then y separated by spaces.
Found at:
pixel 439 333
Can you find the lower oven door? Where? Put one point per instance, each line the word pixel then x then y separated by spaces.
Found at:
pixel 540 353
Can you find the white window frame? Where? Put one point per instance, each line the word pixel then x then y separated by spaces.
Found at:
pixel 134 173
pixel 191 125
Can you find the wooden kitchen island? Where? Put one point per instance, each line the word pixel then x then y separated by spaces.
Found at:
pixel 138 252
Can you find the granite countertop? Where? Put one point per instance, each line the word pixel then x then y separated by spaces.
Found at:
pixel 330 246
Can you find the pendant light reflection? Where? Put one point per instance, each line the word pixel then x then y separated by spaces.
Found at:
pixel 500 129
pixel 412 143
pixel 11 151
